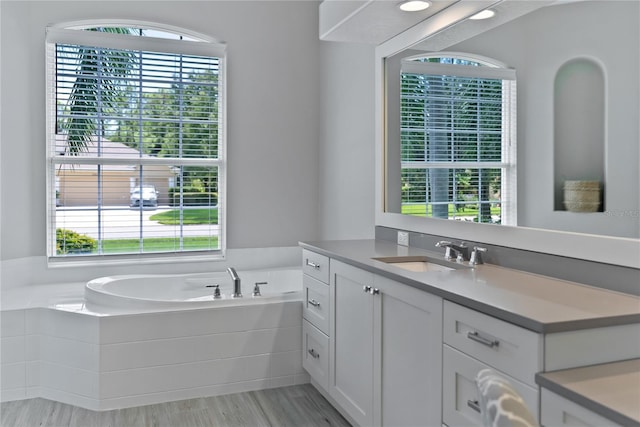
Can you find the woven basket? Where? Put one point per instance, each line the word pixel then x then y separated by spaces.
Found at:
pixel 582 196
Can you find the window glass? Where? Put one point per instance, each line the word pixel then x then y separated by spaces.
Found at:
pixel 136 143
pixel 457 145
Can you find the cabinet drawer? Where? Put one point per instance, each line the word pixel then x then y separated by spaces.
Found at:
pixel 459 392
pixel 501 345
pixel 315 357
pixel 557 411
pixel 315 306
pixel 315 265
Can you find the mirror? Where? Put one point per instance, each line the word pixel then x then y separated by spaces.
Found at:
pixel 554 144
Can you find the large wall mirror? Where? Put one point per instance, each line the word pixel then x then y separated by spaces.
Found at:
pixel 560 118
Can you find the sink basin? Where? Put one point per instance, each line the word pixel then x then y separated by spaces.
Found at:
pixel 415 263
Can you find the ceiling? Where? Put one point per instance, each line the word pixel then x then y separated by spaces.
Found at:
pixel 370 21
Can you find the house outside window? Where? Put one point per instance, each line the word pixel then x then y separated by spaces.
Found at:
pixel 136 143
pixel 457 139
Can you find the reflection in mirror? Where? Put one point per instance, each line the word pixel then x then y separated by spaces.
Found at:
pixel 457 138
pixel 535 46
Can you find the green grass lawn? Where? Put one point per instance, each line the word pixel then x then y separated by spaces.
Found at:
pixel 189 216
pixel 158 244
pixel 420 209
pixel 195 216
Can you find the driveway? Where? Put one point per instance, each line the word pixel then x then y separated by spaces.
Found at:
pixel 122 222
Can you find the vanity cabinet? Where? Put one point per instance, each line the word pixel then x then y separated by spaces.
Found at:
pixel 474 341
pixel 385 357
pixel 388 353
pixel 315 314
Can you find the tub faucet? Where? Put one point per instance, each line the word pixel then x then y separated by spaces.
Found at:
pixel 237 293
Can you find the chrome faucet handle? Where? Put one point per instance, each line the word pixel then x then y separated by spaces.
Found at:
pixel 447 245
pixel 476 258
pixel 443 243
pixel 216 291
pixel 256 288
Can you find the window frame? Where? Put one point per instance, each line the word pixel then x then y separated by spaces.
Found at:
pixel 200 45
pixel 487 69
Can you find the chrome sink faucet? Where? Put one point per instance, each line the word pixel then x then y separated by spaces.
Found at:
pixel 458 251
pixel 237 291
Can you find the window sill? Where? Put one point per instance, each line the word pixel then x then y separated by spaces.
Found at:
pixel 118 260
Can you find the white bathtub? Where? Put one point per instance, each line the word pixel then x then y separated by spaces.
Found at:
pixel 182 291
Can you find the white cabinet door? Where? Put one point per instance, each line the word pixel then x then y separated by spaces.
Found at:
pixel 410 356
pixel 351 341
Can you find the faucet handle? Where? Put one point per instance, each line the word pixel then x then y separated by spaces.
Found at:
pixel 475 255
pixel 442 243
pixel 256 288
pixel 447 245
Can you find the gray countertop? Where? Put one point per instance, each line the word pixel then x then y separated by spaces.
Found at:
pixel 611 390
pixel 539 303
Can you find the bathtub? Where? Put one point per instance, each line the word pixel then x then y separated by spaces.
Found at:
pixel 183 291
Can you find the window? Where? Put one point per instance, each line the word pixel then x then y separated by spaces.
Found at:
pixel 136 144
pixel 458 139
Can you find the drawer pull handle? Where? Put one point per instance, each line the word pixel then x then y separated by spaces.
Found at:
pixel 313 353
pixel 475 336
pixel 314 303
pixel 313 265
pixel 473 404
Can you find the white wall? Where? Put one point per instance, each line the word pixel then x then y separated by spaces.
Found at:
pixel 273 119
pixel 347 144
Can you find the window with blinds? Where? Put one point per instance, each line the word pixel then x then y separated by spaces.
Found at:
pixel 458 140
pixel 135 143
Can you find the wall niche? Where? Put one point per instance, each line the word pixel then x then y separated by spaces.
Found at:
pixel 579 136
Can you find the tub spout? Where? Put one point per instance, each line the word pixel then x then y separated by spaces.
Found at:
pixel 237 292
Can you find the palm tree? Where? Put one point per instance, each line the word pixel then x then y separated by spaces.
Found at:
pixel 95 90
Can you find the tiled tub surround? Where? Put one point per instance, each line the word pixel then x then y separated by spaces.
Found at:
pixel 105 360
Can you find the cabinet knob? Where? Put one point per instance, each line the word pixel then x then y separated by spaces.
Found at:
pixel 366 289
pixel 375 291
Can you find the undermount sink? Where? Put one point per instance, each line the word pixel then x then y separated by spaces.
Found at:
pixel 415 263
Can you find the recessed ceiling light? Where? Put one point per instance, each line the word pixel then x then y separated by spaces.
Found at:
pixel 485 14
pixel 414 5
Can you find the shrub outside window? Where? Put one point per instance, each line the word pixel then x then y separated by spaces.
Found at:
pixel 136 143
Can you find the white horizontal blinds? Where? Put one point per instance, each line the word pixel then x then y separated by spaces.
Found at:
pixel 137 152
pixel 455 139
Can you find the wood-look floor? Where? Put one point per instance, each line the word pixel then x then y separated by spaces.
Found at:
pixel 287 406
